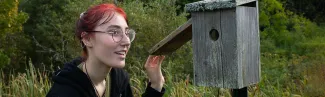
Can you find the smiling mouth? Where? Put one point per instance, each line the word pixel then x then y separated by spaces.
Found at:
pixel 122 53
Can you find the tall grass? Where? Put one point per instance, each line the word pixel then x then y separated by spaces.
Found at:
pixel 33 83
pixel 281 77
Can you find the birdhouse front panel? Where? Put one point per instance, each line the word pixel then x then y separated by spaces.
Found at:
pixel 207 52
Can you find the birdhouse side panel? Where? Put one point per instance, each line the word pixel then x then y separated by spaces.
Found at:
pixel 248 45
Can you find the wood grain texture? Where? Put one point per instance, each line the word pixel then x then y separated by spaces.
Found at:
pixel 229 48
pixel 259 43
pixel 174 40
pixel 206 52
pixel 248 45
pixel 232 61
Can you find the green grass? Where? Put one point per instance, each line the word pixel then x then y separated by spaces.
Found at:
pixel 281 77
pixel 33 83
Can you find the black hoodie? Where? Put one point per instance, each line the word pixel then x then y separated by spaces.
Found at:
pixel 73 82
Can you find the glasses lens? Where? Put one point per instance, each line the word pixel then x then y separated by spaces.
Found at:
pixel 131 34
pixel 117 35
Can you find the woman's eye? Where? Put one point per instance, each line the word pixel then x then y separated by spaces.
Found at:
pixel 113 32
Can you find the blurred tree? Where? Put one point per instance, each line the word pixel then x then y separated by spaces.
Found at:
pixel 153 20
pixel 12 41
pixel 51 29
pixel 311 9
pixel 282 31
pixel 181 4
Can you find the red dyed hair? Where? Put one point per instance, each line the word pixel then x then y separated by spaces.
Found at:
pixel 90 19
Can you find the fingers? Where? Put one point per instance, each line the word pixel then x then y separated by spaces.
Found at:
pixel 149 59
pixel 158 59
pixel 161 59
pixel 153 60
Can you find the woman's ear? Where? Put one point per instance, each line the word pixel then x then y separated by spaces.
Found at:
pixel 86 39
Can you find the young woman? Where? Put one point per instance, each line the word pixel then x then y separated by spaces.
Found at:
pixel 106 38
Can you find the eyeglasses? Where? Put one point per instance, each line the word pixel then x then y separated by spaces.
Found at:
pixel 117 34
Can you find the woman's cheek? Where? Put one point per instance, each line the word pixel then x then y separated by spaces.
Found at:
pixel 112 58
pixel 106 56
pixel 107 51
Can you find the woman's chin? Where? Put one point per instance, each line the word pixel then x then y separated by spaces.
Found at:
pixel 119 65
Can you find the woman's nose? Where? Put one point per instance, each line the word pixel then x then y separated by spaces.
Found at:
pixel 125 40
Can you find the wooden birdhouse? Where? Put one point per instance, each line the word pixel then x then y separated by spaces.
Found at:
pixel 226 43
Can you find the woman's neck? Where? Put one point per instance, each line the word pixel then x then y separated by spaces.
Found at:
pixel 97 71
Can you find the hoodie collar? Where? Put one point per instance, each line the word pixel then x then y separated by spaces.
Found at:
pixel 72 76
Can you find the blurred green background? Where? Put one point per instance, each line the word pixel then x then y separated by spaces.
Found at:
pixel 37 37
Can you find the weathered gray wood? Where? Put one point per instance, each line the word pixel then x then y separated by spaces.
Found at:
pixel 209 5
pixel 206 52
pixel 233 60
pixel 229 48
pixel 174 40
pixel 258 43
pixel 212 5
pixel 248 47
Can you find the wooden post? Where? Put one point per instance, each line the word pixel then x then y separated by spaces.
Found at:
pixel 239 92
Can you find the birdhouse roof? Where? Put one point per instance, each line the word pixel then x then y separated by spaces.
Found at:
pixel 210 5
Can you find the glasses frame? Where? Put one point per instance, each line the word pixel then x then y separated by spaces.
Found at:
pixel 108 32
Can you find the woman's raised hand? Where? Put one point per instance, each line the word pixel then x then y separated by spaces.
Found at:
pixel 153 69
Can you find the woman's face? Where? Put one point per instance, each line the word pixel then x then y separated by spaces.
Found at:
pixel 105 47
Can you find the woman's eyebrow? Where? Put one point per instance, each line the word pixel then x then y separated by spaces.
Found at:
pixel 116 26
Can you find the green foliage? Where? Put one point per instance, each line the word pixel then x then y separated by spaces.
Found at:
pixel 33 83
pixel 51 29
pixel 9 8
pixel 292 47
pixel 153 21
pixel 4 59
pixel 311 9
pixel 11 38
pixel 283 31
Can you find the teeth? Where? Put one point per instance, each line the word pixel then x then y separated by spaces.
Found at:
pixel 121 52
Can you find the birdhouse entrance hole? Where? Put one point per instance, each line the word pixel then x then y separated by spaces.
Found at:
pixel 214 34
